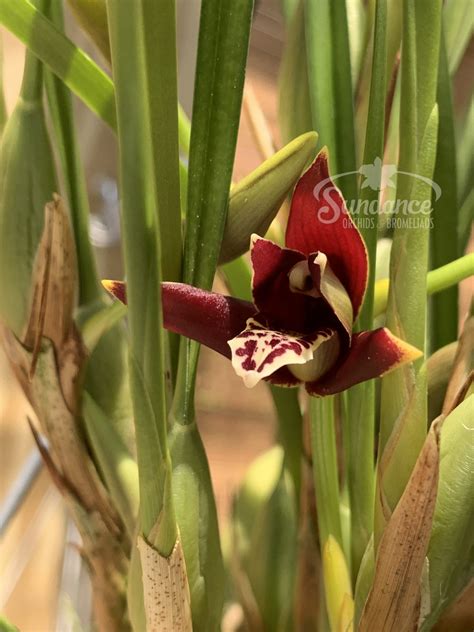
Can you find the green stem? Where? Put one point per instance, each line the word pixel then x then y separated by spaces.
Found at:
pixel 374 146
pixel 325 470
pixel 60 104
pixel 436 280
pixel 290 431
pixel 361 399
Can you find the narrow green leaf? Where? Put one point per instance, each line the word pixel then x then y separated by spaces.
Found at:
pixel 404 392
pixel 428 35
pixel 67 61
pixel 361 399
pixel 374 149
pixel 290 432
pixel 459 22
pixel 319 51
pixel 466 215
pixel 197 519
pixel 294 107
pixel 3 107
pixel 344 134
pixel 160 62
pixel 465 167
pixel 325 470
pixel 255 200
pixel 356 18
pixel 220 70
pixel 444 246
pixel 60 105
pixel 94 326
pixel 92 16
pixel 114 462
pixel 288 8
pixel 139 212
pixel 238 278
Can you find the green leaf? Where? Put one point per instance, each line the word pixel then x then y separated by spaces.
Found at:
pixel 220 70
pixel 451 549
pixel 364 581
pixel 160 44
pixel 60 106
pixel 3 107
pixel 198 528
pixel 444 246
pixel 256 199
pixel 344 134
pixel 465 167
pixel 325 472
pixel 361 399
pixel 294 107
pixel 458 22
pixel 141 240
pixel 115 463
pixel 404 392
pixel 264 522
pixel 428 35
pixel 92 16
pixel 67 61
pixel 374 148
pixel 319 52
pixel 238 278
pixel 94 325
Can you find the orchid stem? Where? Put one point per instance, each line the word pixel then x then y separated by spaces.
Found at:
pixel 437 280
pixel 361 399
pixel 325 470
pixel 290 431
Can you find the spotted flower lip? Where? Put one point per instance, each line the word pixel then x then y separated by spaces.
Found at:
pixel 306 297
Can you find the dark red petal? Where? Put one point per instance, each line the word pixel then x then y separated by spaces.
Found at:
pixel 210 318
pixel 279 306
pixel 319 221
pixel 372 354
pixel 117 289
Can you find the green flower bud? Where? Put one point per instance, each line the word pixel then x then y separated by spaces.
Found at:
pixel 27 183
pixel 255 200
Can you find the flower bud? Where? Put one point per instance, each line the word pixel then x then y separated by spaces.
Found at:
pixel 27 183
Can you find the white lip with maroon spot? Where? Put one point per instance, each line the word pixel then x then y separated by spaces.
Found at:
pixel 258 352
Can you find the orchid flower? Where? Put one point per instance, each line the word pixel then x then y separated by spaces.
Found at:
pixel 306 298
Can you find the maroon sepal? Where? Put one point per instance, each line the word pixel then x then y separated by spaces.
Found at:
pixel 372 354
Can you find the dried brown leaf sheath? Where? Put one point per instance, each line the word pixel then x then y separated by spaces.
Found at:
pixel 165 588
pixel 48 362
pixel 393 604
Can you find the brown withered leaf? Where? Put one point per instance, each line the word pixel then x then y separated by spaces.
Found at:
pixel 393 604
pixel 54 282
pixel 48 362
